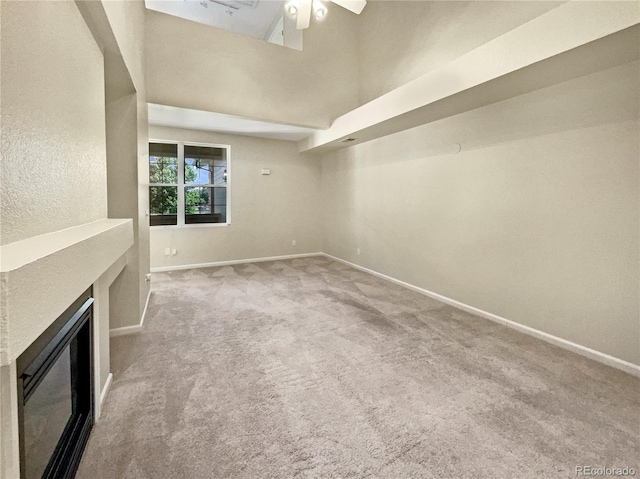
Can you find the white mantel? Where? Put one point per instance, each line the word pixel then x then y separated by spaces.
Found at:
pixel 42 275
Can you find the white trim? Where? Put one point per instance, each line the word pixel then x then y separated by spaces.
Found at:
pixel 180 186
pixel 132 329
pixel 191 225
pixel 598 356
pixel 234 261
pixel 125 330
pixel 146 305
pixel 105 391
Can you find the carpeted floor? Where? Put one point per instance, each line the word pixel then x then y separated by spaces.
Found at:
pixel 310 369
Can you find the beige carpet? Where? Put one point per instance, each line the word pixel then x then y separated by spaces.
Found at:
pixel 310 369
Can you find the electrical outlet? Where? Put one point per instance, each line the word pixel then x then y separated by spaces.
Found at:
pixel 358 250
pixel 293 243
pixel 167 251
pixel 174 252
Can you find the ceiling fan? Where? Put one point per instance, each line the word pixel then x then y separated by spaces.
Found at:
pixel 301 9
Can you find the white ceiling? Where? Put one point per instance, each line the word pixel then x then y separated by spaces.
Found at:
pixel 255 21
pixel 204 120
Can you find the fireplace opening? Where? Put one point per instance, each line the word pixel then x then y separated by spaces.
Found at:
pixel 55 395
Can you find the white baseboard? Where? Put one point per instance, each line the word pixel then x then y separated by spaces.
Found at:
pixel 103 394
pixel 144 311
pixel 132 329
pixel 235 261
pixel 603 358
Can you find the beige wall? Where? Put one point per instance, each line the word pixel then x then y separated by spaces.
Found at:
pixel 535 220
pixel 267 212
pixel 399 41
pixel 52 175
pixel 127 155
pixel 129 291
pixel 53 170
pixel 190 65
pixel 127 21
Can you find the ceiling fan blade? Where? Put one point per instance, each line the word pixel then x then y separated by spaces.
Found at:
pixel 304 14
pixel 355 6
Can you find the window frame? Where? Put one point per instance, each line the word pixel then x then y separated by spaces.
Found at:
pixel 181 185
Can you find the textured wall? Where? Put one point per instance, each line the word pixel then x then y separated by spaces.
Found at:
pixel 144 255
pixel 129 291
pixel 399 41
pixel 53 131
pixel 127 149
pixel 535 220
pixel 196 66
pixel 267 212
pixel 127 21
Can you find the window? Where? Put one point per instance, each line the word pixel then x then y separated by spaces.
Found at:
pixel 188 184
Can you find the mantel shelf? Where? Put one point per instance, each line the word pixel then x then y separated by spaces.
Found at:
pixel 55 268
pixel 572 40
pixel 16 255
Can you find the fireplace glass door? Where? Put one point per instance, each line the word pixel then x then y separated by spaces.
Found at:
pixel 55 382
pixel 46 415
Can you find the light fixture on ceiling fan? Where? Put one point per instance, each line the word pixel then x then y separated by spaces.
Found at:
pixel 301 9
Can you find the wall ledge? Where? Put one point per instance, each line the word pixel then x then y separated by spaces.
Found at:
pixel 572 40
pixel 41 276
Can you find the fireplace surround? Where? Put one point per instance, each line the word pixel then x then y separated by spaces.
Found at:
pixel 56 395
pixel 41 277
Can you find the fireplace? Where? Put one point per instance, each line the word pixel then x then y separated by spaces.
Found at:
pixel 55 395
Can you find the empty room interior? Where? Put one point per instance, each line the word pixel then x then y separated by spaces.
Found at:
pixel 319 239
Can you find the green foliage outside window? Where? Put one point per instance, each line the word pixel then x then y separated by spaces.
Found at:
pixel 164 200
pixel 194 198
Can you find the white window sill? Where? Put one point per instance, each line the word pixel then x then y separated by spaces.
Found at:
pixel 197 225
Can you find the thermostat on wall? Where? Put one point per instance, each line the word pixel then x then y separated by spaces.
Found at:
pixel 266 171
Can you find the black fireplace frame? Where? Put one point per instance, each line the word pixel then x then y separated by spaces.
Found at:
pixel 33 365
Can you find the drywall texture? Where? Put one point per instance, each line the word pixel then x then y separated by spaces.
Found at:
pixel 399 41
pixel 127 155
pixel 9 435
pixel 267 212
pixel 52 104
pixel 190 65
pixel 127 21
pixel 130 289
pixel 144 256
pixel 535 220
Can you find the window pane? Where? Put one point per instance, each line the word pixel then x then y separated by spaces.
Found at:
pixel 163 163
pixel 163 205
pixel 205 204
pixel 198 172
pixel 220 212
pixel 204 165
pixel 220 175
pixel 220 196
pixel 197 200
